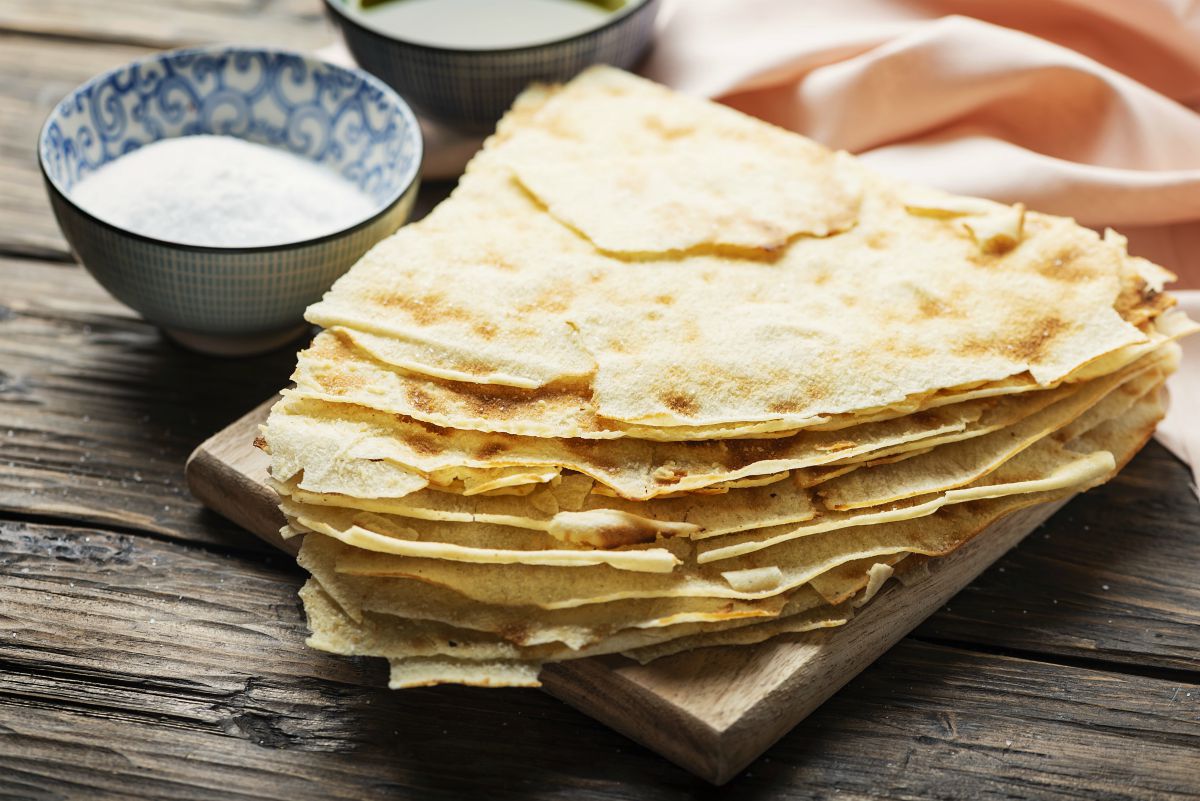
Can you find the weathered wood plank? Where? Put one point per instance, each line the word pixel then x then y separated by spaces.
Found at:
pixel 100 411
pixel 180 672
pixel 1111 577
pixel 975 726
pixel 35 74
pixel 295 23
pixel 134 668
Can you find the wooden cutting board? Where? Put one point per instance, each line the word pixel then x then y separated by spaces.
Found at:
pixel 711 711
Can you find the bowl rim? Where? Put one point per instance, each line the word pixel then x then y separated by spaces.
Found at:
pixel 410 180
pixel 630 8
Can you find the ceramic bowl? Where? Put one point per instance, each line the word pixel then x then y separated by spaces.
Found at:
pixel 469 90
pixel 235 300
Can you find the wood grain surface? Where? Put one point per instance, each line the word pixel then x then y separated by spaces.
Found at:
pixel 149 649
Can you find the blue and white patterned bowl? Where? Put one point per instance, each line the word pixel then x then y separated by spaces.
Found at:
pixel 470 89
pixel 231 300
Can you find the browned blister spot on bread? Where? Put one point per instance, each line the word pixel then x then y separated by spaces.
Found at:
pixel 490 401
pixel 680 403
pixel 930 306
pixel 802 396
pixel 1033 347
pixel 1030 347
pixel 491 449
pixel 487 330
pixel 420 399
pixel 424 309
pixel 549 301
pixel 495 259
pixel 421 443
pixel 336 383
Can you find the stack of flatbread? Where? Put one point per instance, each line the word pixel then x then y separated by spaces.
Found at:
pixel 660 376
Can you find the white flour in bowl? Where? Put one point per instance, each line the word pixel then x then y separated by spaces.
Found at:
pixel 221 191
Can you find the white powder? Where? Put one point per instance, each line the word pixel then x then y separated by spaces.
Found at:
pixel 221 191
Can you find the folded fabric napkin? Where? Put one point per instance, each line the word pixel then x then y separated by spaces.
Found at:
pixel 1074 107
pixel 1083 108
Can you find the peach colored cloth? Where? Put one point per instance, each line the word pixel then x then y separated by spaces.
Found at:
pixel 1073 107
pixel 1085 108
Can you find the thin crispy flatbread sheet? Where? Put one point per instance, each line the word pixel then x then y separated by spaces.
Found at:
pixel 521 625
pixel 960 463
pixel 434 670
pixel 612 117
pixel 803 372
pixel 1117 403
pixel 570 363
pixel 445 519
pixel 844 581
pixel 1044 466
pixel 1169 326
pixel 334 631
pixel 821 618
pixel 636 469
pixel 516 480
pixel 318 437
pixel 388 636
pixel 799 557
pixel 808 477
pixel 928 305
pixel 813 476
pixel 483 544
pixel 430 352
pixel 333 369
pixel 1125 434
pixel 315 455
pixel 657 202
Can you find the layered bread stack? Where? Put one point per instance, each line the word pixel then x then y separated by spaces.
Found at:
pixel 660 376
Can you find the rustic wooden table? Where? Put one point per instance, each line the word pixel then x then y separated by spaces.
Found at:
pixel 149 649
